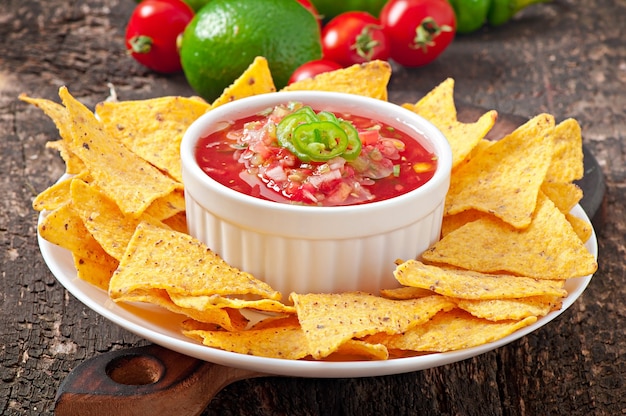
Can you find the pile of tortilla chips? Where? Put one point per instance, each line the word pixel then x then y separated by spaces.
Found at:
pixel 508 240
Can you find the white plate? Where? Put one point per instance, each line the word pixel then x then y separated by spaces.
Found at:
pixel 163 328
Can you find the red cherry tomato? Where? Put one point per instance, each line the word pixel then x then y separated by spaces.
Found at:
pixel 153 30
pixel 353 38
pixel 418 30
pixel 311 7
pixel 312 68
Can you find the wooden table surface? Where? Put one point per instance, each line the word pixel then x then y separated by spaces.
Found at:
pixel 567 58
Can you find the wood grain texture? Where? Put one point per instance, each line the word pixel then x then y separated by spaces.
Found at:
pixel 567 58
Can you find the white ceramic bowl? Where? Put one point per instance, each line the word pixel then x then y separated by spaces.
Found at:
pixel 308 249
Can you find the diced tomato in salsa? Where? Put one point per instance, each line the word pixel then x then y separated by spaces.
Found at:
pixel 247 157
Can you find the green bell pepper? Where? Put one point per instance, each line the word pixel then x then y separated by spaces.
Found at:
pixel 471 15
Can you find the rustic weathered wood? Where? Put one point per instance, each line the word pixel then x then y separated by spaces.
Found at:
pixel 566 58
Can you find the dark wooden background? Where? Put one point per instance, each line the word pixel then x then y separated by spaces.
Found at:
pixel 567 58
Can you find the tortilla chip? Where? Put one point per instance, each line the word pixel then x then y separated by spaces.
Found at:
pixel 439 108
pixel 547 249
pixel 567 161
pixel 565 195
pixel 152 128
pixel 229 319
pixel 167 206
pixel 330 320
pixel 369 79
pixel 64 228
pixel 451 331
pixel 510 309
pixel 59 115
pixel 122 175
pixel 255 80
pixel 215 301
pixel 469 284
pixel 95 273
pixel 286 342
pixel 452 222
pixel 581 227
pixel 161 259
pixel 177 222
pixel 406 292
pixel 104 220
pixel 504 179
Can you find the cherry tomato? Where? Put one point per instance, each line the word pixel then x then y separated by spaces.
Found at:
pixel 152 33
pixel 418 30
pixel 354 38
pixel 311 7
pixel 312 68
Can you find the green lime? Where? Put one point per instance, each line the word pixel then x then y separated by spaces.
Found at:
pixel 225 36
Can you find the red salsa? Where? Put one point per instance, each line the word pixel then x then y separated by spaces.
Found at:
pixel 293 154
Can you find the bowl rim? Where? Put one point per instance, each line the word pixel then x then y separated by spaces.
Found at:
pixel 193 175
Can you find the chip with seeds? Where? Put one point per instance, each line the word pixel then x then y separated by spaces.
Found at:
pixel 452 330
pixel 152 128
pixel 123 176
pixel 215 301
pixel 161 259
pixel 510 309
pixel 468 284
pixel 567 161
pixel 256 79
pixel 104 220
pixel 547 249
pixel 330 320
pixel 227 318
pixel 61 118
pixel 369 79
pixel 439 108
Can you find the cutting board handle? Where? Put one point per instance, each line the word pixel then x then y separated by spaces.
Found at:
pixel 143 381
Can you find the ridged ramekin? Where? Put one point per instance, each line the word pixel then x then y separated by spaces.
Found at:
pixel 308 249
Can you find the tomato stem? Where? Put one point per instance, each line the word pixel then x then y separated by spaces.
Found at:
pixel 141 44
pixel 426 33
pixel 364 45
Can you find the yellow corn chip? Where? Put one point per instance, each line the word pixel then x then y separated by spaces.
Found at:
pixel 453 330
pixel 54 196
pixel 510 309
pixel 504 179
pixel 581 227
pixel 438 107
pixel 565 195
pixel 547 249
pixel 567 161
pixel 452 222
pixel 369 79
pixel 167 206
pixel 468 284
pixel 59 115
pixel 177 222
pixel 215 301
pixel 286 342
pixel 122 175
pixel 255 80
pixel 104 220
pixel 406 292
pixel 95 273
pixel 157 258
pixel 64 228
pixel 330 320
pixel 152 128
pixel 356 349
pixel 229 319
